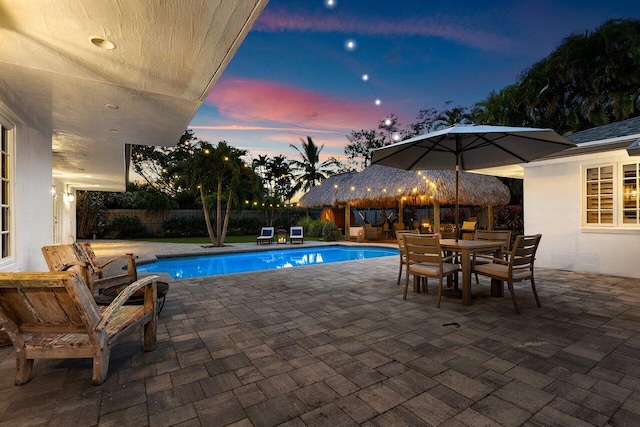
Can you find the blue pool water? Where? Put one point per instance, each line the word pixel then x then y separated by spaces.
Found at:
pixel 211 265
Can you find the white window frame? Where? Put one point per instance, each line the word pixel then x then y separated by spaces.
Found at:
pixel 6 126
pixel 618 197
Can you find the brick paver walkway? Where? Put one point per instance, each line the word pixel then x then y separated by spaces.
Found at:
pixel 335 345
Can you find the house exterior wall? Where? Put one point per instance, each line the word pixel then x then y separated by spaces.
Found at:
pixel 31 208
pixel 553 207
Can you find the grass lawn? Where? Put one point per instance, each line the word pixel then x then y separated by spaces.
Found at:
pixel 205 240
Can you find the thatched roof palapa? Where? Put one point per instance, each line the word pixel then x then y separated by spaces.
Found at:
pixel 382 186
pixel 324 194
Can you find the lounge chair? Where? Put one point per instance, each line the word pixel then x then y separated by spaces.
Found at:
pixel 266 236
pixel 296 235
pixel 52 315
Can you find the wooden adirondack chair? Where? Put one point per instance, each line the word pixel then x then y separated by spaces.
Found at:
pixel 52 315
pixel 64 257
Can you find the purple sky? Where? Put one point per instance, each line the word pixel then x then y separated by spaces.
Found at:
pixel 293 75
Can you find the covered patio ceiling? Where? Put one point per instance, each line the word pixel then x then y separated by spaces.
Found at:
pixel 100 74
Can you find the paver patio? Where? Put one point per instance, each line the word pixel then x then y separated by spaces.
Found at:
pixel 335 345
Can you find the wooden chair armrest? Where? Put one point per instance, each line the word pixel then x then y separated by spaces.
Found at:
pixel 449 258
pixel 76 263
pixel 129 258
pixel 111 281
pixel 123 296
pixel 490 258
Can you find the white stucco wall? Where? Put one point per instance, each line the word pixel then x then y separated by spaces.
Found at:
pixel 552 207
pixel 31 204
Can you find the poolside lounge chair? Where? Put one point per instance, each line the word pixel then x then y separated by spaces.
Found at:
pixel 266 236
pixel 52 315
pixel 296 235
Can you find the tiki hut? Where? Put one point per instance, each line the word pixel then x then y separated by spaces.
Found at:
pixel 386 187
pixel 325 193
pixel 382 186
pixel 323 196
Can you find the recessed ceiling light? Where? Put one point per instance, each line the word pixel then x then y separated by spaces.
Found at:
pixel 102 43
pixel 112 106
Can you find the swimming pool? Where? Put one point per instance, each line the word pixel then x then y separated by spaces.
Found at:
pixel 211 265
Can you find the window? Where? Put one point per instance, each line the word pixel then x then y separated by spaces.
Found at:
pixel 599 195
pixel 5 193
pixel 630 194
pixel 610 195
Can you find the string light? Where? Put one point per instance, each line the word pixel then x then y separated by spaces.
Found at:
pixel 350 45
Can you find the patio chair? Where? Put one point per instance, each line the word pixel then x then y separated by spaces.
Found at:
pixel 356 233
pixel 425 259
pixel 266 236
pixel 517 267
pixel 402 251
pixel 447 231
pixel 64 257
pixel 503 235
pixel 468 228
pixel 296 234
pixel 52 315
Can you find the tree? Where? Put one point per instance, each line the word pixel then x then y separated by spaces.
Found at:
pixel 589 80
pixel 278 176
pixel 310 171
pixel 259 166
pixel 217 170
pixel 431 119
pixel 151 163
pixel 361 146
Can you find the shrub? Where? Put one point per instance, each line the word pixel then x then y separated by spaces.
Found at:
pixel 185 226
pixel 305 223
pixel 509 218
pixel 315 228
pixel 244 226
pixel 126 227
pixel 330 232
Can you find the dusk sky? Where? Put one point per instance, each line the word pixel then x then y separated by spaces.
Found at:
pixel 294 76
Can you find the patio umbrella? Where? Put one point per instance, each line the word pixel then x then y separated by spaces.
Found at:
pixel 471 147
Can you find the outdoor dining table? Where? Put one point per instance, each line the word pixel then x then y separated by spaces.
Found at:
pixel 466 249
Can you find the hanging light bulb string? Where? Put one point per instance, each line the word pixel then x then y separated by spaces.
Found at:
pixel 351 46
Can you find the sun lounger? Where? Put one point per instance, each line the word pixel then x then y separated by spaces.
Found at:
pixel 296 235
pixel 266 236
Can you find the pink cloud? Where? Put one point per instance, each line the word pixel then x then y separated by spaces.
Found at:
pixel 276 20
pixel 257 103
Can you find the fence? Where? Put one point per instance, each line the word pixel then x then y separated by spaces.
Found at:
pixel 154 221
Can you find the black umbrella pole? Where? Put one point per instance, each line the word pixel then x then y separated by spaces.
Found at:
pixel 457 225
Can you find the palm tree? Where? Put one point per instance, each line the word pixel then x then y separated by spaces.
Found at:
pixel 278 174
pixel 218 170
pixel 310 171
